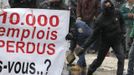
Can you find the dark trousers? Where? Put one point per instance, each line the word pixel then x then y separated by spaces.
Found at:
pixel 130 70
pixel 96 45
pixel 104 48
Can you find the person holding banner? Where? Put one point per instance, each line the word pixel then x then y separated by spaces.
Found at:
pixel 50 4
pixel 4 4
pixel 22 3
pixel 127 10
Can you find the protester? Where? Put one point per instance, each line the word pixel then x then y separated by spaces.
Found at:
pixel 4 4
pixel 82 32
pixel 118 3
pixel 127 10
pixel 72 31
pixel 110 25
pixel 82 12
pixel 86 11
pixel 22 3
pixel 50 4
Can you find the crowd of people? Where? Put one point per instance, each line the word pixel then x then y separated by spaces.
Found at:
pixel 94 25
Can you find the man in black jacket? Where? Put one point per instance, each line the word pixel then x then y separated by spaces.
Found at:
pixel 22 3
pixel 110 26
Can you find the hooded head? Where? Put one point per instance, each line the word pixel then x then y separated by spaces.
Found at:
pixel 107 6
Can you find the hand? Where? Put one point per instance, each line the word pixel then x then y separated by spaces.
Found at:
pixel 79 50
pixel 69 52
pixel 79 18
pixel 130 15
pixel 133 16
pixel 69 36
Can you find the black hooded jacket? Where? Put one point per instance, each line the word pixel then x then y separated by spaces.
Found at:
pixel 109 25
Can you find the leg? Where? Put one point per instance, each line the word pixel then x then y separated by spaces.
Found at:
pixel 100 57
pixel 82 63
pixel 96 45
pixel 119 52
pixel 128 40
pixel 131 61
pixel 124 47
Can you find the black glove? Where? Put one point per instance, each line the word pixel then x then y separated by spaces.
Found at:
pixel 79 51
pixel 69 36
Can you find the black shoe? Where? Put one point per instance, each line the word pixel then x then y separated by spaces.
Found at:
pixel 83 70
pixel 89 72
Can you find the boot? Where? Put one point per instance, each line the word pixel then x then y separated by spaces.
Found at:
pixel 89 72
pixel 83 70
pixel 75 70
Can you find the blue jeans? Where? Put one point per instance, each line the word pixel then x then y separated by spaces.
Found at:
pixel 82 62
pixel 81 38
pixel 131 61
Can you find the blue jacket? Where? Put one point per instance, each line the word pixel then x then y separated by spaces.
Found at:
pixel 83 31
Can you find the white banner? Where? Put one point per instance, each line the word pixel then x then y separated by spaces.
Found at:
pixel 32 41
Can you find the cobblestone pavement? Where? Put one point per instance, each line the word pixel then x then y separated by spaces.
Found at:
pixel 108 67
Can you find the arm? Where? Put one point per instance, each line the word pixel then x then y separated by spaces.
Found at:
pixel 122 23
pixel 89 41
pixel 124 12
pixel 132 33
pixel 93 37
pixel 15 3
pixel 72 33
pixel 79 6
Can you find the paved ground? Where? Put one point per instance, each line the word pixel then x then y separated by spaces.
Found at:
pixel 108 67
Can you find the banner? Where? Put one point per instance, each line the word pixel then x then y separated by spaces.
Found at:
pixel 32 41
